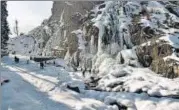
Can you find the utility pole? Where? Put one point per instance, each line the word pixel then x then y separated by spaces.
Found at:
pixel 16 28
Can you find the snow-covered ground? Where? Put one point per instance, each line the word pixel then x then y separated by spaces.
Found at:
pixel 19 94
pixel 33 88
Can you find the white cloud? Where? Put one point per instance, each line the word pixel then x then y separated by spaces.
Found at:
pixel 29 13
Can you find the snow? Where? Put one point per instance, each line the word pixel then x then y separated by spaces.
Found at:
pixel 139 101
pixel 81 40
pixel 146 43
pixel 50 84
pixel 61 19
pixel 115 48
pixel 21 95
pixel 68 3
pixel 145 22
pixel 132 7
pixel 173 40
pixel 46 27
pixel 42 89
pixel 128 54
pixel 108 17
pixel 23 45
pixel 134 79
pixel 173 56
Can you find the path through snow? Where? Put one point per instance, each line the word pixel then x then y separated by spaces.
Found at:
pixel 19 94
pixel 32 88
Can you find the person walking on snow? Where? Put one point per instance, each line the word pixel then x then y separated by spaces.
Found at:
pixel 27 61
pixel 41 65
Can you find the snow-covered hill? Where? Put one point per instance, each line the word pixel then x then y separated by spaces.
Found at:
pixel 24 45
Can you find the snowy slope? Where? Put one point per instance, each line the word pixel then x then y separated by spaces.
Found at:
pixel 24 45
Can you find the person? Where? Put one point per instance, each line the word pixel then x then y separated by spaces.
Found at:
pixel 124 11
pixel 83 72
pixel 76 89
pixel 27 61
pixel 16 59
pixel 158 23
pixel 30 58
pixel 41 65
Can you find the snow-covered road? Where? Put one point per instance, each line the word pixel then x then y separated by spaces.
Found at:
pixel 31 88
pixel 18 94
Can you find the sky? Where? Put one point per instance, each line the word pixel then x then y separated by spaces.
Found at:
pixel 29 14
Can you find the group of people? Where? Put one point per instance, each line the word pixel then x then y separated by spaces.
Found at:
pixel 16 60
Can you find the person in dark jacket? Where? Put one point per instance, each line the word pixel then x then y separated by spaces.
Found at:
pixel 16 59
pixel 27 61
pixel 41 65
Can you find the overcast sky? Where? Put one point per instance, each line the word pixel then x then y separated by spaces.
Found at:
pixel 29 13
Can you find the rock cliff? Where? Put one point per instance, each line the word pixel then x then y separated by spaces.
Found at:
pixel 89 35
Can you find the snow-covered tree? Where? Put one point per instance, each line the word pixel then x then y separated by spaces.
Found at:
pixel 4 28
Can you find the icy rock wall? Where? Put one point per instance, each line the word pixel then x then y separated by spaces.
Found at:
pixel 89 34
pixel 117 29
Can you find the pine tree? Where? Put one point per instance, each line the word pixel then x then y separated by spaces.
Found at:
pixel 4 28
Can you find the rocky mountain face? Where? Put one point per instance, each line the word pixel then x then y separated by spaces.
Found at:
pixel 94 36
pixel 56 31
pixel 132 33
